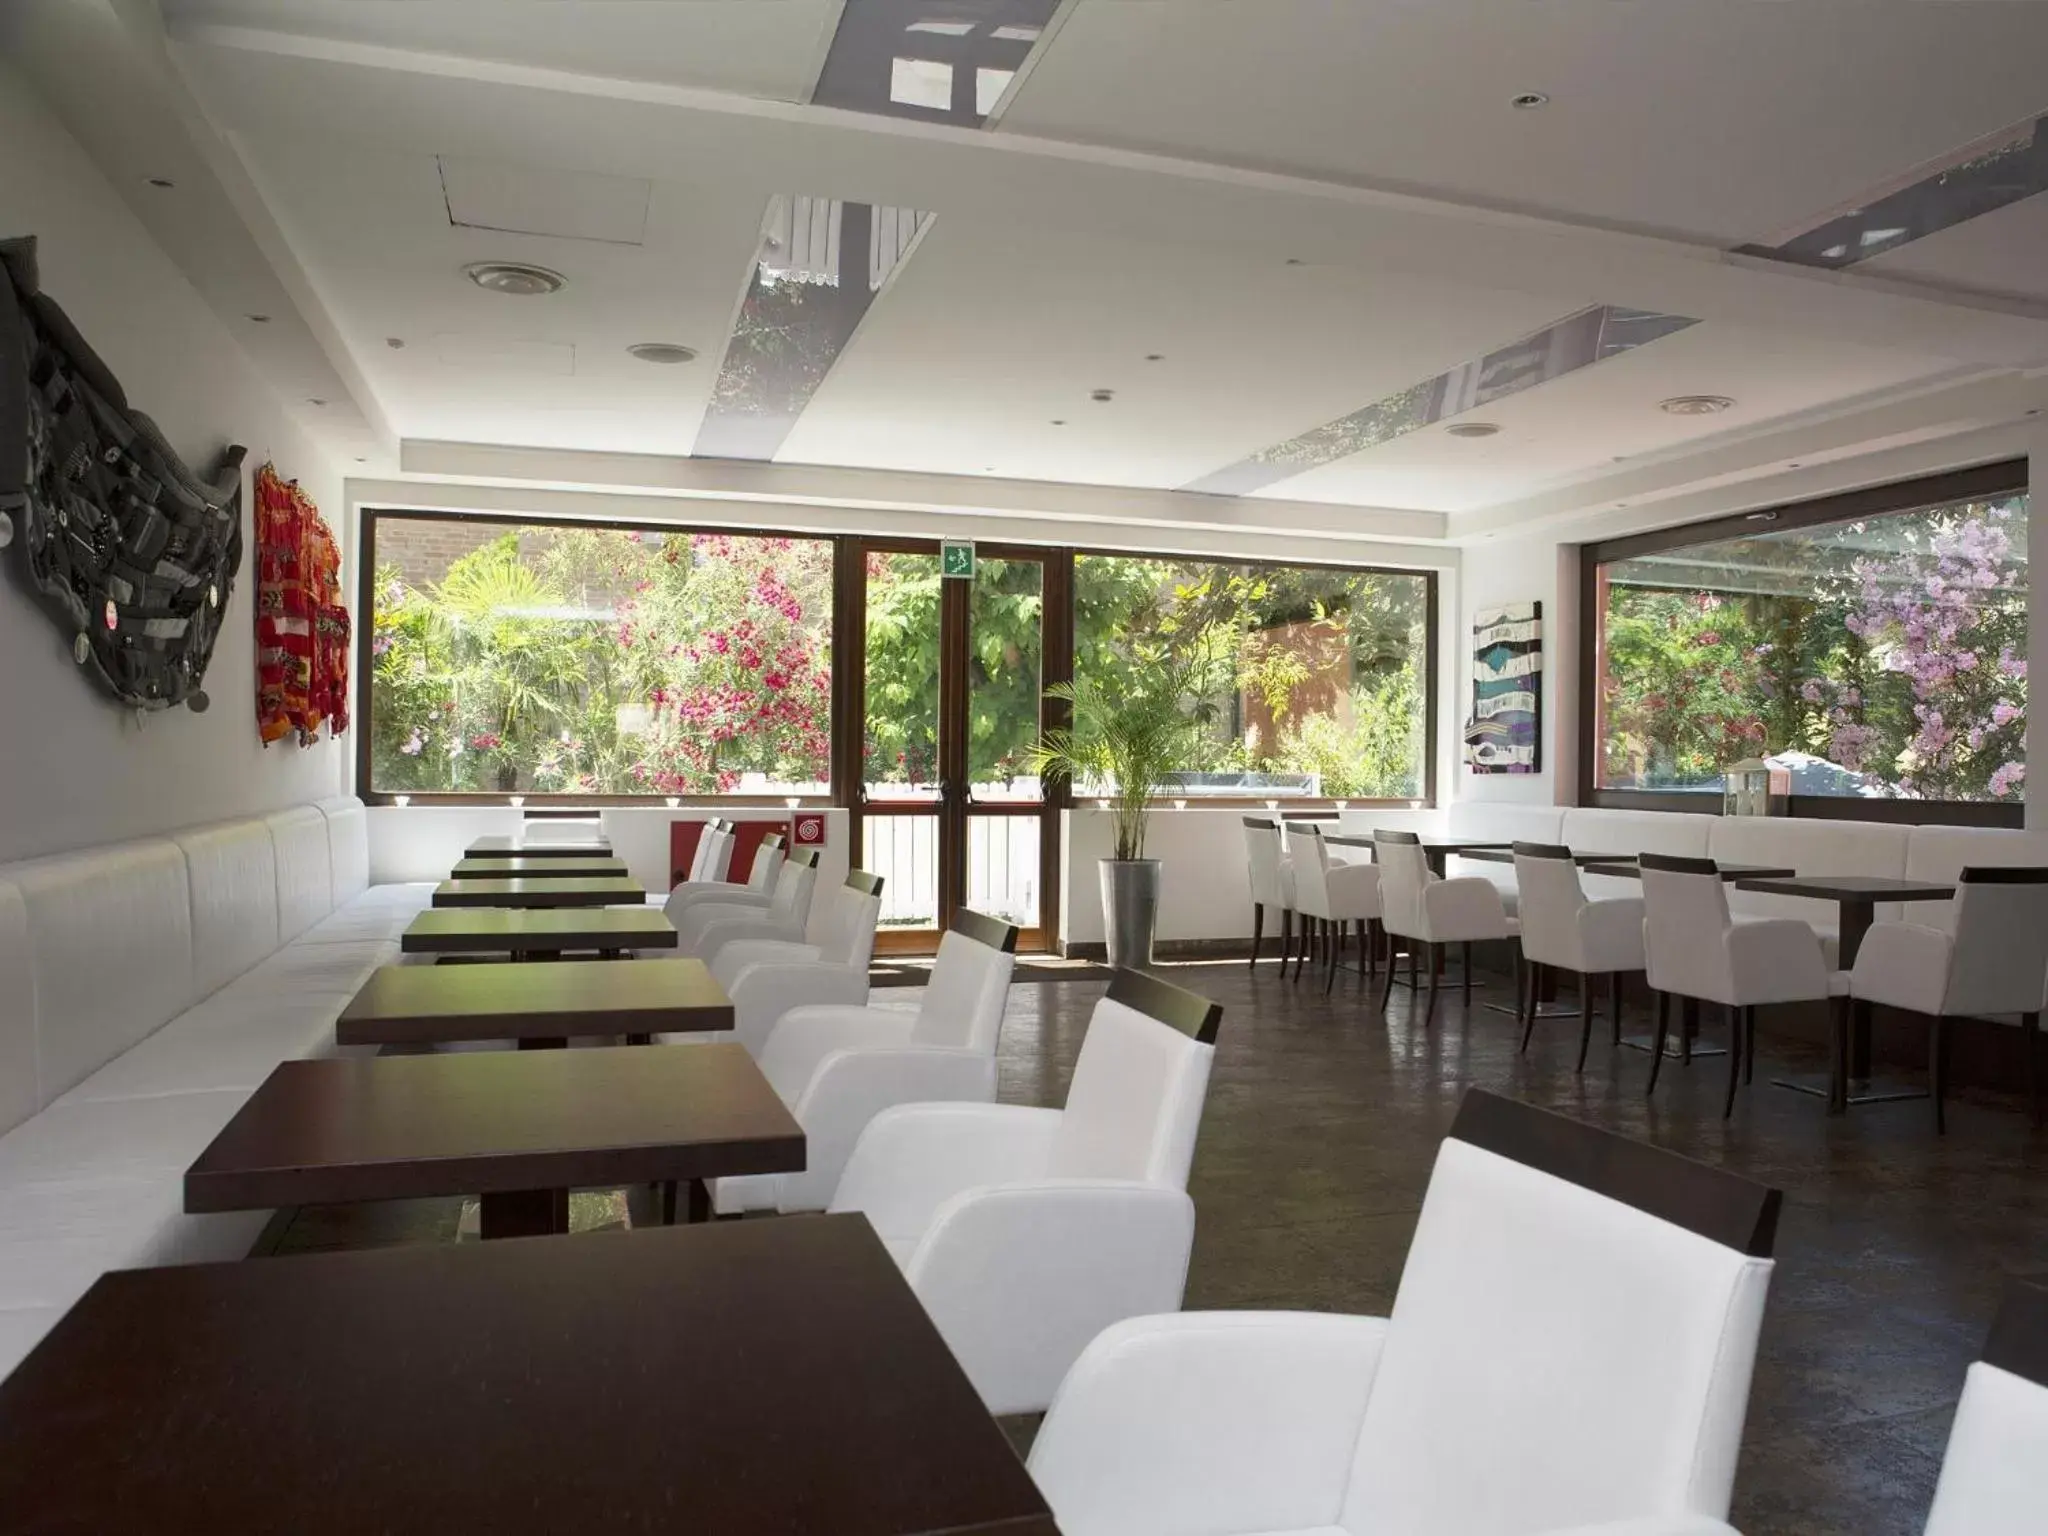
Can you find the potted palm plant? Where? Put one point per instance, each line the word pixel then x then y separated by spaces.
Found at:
pixel 1126 748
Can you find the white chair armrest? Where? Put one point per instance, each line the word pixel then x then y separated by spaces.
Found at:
pixel 1468 907
pixel 804 1036
pixel 1904 965
pixel 913 1159
pixel 693 893
pixel 1611 934
pixel 1225 1421
pixel 706 930
pixel 1352 880
pixel 851 1086
pixel 1019 1277
pixel 735 957
pixel 763 995
pixel 1777 960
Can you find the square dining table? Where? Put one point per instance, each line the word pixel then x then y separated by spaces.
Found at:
pixel 518 1128
pixel 539 1006
pixel 516 848
pixel 745 1378
pixel 590 866
pixel 536 931
pixel 1855 898
pixel 596 891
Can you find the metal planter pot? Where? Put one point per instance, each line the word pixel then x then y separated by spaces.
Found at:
pixel 1130 908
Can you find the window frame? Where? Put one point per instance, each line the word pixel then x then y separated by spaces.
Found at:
pixel 848 685
pixel 1981 482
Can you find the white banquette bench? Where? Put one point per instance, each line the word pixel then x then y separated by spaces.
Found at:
pixel 1807 846
pixel 146 988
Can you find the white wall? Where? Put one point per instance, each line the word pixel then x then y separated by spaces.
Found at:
pixel 75 767
pixel 1508 571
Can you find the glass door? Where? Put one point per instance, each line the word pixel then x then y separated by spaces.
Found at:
pixel 954 668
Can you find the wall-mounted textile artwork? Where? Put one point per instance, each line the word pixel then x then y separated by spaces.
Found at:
pixel 1505 731
pixel 131 553
pixel 302 629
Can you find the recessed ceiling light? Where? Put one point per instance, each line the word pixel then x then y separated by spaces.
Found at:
pixel 1059 421
pixel 395 343
pixel 663 352
pixel 1102 396
pixel 1294 261
pixel 1695 405
pixel 514 277
pixel 361 460
pixel 163 182
pixel 260 319
pixel 1155 357
pixel 1529 101
pixel 1473 428
pixel 313 400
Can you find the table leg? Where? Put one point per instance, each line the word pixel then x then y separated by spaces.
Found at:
pixel 697 1207
pixel 1856 920
pixel 1862 1087
pixel 543 1042
pixel 1686 1046
pixel 525 1213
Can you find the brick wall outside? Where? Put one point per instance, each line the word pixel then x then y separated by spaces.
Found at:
pixel 424 550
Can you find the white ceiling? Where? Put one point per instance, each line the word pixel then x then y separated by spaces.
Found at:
pixel 1297 203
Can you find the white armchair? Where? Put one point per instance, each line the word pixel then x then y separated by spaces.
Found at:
pixel 1693 948
pixel 1603 1391
pixel 1993 963
pixel 839 1066
pixel 757 890
pixel 766 977
pixel 1994 1481
pixel 1430 912
pixel 1563 931
pixel 1337 897
pixel 1025 1232
pixel 707 925
pixel 1272 879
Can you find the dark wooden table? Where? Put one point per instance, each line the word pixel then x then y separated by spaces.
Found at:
pixel 1856 898
pixel 600 891
pixel 588 867
pixel 745 1378
pixel 513 848
pixel 1629 869
pixel 540 1006
pixel 1507 856
pixel 536 931
pixel 1437 850
pixel 519 1128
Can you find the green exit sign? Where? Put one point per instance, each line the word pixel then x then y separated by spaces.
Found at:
pixel 956 559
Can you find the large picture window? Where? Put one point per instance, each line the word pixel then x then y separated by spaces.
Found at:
pixel 1309 681
pixel 1879 655
pixel 506 657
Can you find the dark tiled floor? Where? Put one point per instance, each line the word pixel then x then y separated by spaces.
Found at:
pixel 1321 1127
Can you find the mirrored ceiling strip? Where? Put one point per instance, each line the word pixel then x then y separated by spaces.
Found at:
pixel 1985 178
pixel 1575 342
pixel 936 61
pixel 820 266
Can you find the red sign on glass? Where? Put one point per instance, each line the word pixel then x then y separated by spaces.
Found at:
pixel 807 829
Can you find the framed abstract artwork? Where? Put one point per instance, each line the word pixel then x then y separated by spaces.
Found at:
pixel 1504 733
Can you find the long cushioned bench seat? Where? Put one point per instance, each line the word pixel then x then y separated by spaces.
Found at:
pixel 146 988
pixel 1808 847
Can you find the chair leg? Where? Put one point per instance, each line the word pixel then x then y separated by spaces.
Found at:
pixel 1838 1057
pixel 1613 1005
pixel 1387 991
pixel 1414 965
pixel 1258 930
pixel 1465 975
pixel 1937 1072
pixel 1734 1059
pixel 1688 1026
pixel 2030 1030
pixel 1657 1045
pixel 1527 1006
pixel 1301 945
pixel 1335 957
pixel 1749 1044
pixel 1372 947
pixel 1586 1016
pixel 1435 961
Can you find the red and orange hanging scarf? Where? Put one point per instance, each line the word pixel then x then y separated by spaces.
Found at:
pixel 302 628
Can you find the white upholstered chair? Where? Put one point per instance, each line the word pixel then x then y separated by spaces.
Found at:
pixel 757 890
pixel 766 977
pixel 1600 1389
pixel 838 1064
pixel 1993 962
pixel 1694 950
pixel 1564 931
pixel 1429 912
pixel 1272 881
pixel 1338 899
pixel 705 925
pixel 1026 1232
pixel 1994 1479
